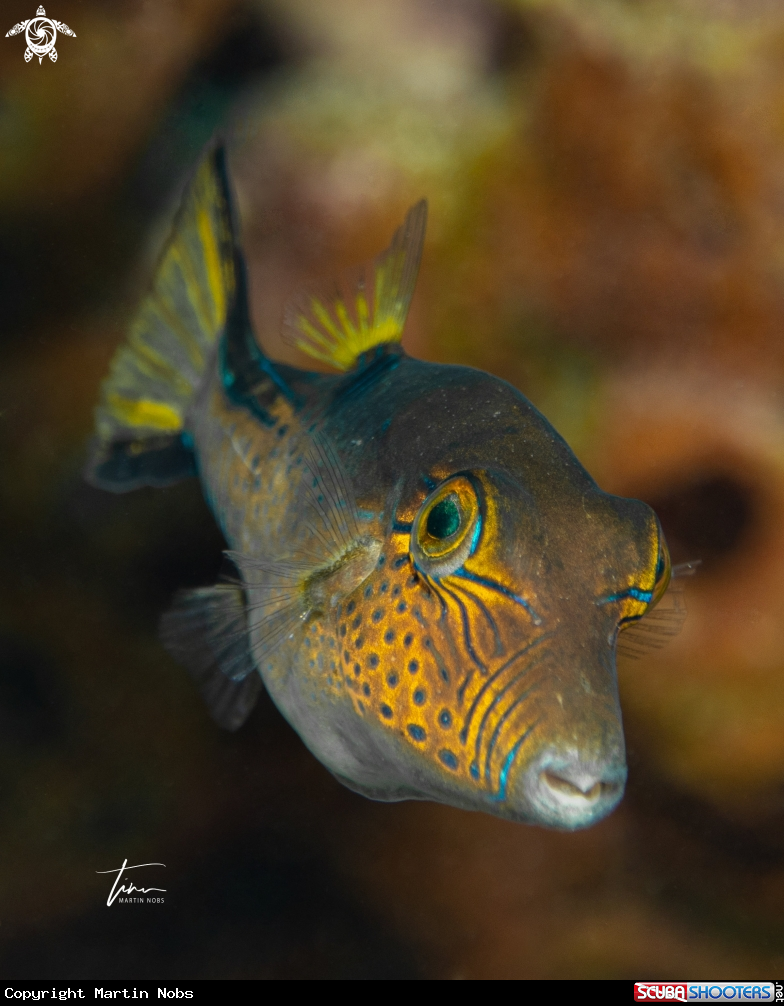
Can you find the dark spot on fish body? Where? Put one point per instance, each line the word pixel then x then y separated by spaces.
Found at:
pixel 419 697
pixel 357 669
pixel 413 666
pixel 389 636
pixel 416 732
pixel 448 758
pixel 359 642
pixel 357 622
pixel 368 591
pixel 445 718
pixel 386 712
pixel 373 660
pixel 377 615
pixel 350 607
pixel 392 680
pixel 408 640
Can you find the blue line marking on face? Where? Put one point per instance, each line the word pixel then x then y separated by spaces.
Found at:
pixel 638 595
pixel 499 649
pixel 504 776
pixel 477 533
pixel 499 726
pixel 501 589
pixel 490 682
pixel 469 643
pixel 402 527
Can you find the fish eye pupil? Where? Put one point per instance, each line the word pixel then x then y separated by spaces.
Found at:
pixel 444 519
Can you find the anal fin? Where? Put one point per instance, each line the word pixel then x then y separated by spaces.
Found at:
pixel 206 631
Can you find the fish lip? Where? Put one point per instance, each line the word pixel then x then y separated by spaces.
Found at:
pixel 569 789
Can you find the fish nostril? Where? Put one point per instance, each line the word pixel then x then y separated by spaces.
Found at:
pixel 589 789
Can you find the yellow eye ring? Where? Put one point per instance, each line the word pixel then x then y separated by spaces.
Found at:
pixel 663 571
pixel 446 528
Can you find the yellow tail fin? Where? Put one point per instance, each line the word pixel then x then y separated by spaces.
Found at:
pixel 156 373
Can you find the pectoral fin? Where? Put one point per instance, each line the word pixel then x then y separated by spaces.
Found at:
pixel 662 623
pixel 206 631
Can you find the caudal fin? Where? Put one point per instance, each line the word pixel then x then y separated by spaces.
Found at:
pixel 155 375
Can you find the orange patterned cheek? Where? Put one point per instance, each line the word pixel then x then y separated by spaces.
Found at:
pixel 403 660
pixel 392 666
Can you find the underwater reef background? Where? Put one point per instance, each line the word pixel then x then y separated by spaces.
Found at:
pixel 606 188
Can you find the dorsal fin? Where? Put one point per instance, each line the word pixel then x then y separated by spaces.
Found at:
pixel 368 309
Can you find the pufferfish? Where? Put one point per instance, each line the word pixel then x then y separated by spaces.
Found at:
pixel 429 584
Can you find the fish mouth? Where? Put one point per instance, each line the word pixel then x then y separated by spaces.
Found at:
pixel 568 789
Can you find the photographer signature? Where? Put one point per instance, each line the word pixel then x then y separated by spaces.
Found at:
pixel 118 888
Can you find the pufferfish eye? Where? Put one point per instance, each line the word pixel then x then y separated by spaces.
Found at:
pixel 446 528
pixel 443 521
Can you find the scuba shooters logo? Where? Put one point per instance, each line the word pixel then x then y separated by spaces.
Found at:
pixel 708 991
pixel 40 35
